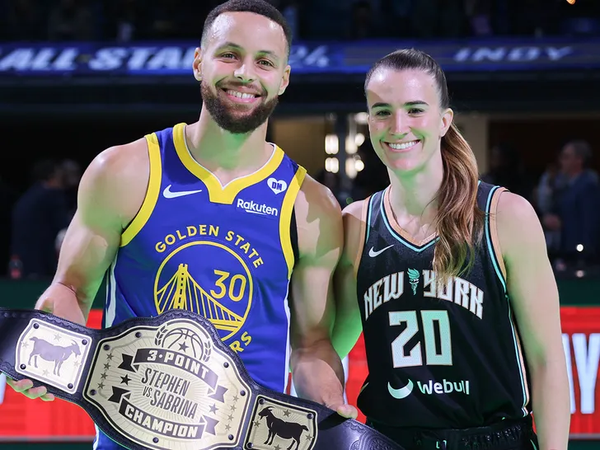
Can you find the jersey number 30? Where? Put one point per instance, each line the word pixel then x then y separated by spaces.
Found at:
pixel 438 347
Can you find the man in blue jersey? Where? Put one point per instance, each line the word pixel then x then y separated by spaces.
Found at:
pixel 211 205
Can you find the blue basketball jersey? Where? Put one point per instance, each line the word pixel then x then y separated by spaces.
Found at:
pixel 224 252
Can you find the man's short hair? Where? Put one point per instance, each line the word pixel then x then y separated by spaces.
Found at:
pixel 260 7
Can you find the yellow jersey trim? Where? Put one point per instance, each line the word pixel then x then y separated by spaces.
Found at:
pixel 152 192
pixel 285 222
pixel 216 192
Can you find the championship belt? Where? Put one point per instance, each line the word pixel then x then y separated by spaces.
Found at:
pixel 168 382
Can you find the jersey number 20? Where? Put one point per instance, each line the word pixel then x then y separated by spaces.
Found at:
pixel 438 352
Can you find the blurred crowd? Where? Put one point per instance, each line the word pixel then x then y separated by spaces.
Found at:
pixel 136 20
pixel 33 222
pixel 566 196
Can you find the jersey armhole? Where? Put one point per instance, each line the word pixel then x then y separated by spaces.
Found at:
pixel 362 234
pixel 493 234
pixel 288 231
pixel 152 192
pixel 294 235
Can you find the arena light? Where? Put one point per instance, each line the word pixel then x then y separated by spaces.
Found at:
pixel 332 145
pixel 359 164
pixel 351 147
pixel 361 118
pixel 359 139
pixel 332 165
pixel 351 168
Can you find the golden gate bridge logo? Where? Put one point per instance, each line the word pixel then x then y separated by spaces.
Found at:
pixel 183 292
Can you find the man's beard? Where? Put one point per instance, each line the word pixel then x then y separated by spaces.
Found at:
pixel 231 122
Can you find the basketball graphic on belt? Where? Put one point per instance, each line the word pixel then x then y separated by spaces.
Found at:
pixel 184 339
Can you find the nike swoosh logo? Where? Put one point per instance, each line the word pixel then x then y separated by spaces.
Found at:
pixel 168 194
pixel 373 253
pixel 402 392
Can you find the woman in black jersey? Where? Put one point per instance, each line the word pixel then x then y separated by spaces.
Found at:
pixel 449 279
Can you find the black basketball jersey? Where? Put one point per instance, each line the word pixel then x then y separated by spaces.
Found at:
pixel 438 356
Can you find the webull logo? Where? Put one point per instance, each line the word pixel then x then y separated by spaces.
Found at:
pixel 445 387
pixel 256 208
pixel 431 387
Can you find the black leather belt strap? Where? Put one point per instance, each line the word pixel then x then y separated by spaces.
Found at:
pixel 168 382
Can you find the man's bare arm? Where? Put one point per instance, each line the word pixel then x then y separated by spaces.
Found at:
pixel 317 370
pixel 111 192
pixel 348 324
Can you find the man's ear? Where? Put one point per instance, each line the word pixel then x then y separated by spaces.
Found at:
pixel 197 64
pixel 286 79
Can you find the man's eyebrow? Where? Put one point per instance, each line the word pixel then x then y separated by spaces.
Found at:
pixel 240 48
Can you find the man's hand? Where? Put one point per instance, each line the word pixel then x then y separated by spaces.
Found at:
pixel 346 410
pixel 26 388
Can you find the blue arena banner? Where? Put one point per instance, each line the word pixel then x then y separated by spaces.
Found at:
pixel 174 58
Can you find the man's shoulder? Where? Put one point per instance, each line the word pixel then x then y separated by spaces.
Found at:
pixel 318 218
pixel 590 177
pixel 118 178
pixel 119 163
pixel 317 198
pixel 585 185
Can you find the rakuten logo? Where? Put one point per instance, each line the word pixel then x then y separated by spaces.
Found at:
pixel 255 208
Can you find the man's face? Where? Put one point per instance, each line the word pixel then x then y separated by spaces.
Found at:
pixel 243 70
pixel 570 162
